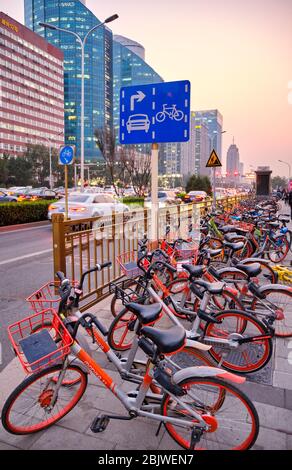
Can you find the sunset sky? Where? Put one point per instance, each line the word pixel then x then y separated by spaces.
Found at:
pixel 236 53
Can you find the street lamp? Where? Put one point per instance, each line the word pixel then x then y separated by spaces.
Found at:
pixel 50 140
pixel 82 43
pixel 289 166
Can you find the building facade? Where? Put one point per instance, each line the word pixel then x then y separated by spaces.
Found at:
pixel 32 89
pixel 195 152
pixel 213 120
pixel 232 163
pixel 75 16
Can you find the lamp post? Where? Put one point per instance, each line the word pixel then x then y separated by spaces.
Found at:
pixel 289 166
pixel 50 140
pixel 82 43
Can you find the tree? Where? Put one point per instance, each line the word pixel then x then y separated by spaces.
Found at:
pixel 138 167
pixel 199 183
pixel 4 171
pixel 19 171
pixel 106 142
pixel 279 182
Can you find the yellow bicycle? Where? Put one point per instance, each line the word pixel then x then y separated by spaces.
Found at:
pixel 284 274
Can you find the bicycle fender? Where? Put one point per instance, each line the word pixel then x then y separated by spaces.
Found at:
pixel 231 270
pixel 274 287
pixel 191 343
pixel 204 371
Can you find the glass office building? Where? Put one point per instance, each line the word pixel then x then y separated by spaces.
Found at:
pixel 74 16
pixel 129 68
pixel 213 120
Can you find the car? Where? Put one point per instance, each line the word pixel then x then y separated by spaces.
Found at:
pixel 4 197
pixel 195 196
pixel 84 205
pixel 138 122
pixel 165 198
pixel 42 193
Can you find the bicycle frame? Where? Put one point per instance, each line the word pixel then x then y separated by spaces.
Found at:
pixel 134 405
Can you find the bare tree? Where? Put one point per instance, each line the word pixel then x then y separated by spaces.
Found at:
pixel 106 142
pixel 139 169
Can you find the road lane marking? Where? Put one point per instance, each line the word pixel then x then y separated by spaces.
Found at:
pixel 20 258
pixel 20 230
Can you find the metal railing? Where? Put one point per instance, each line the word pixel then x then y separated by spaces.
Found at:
pixel 79 244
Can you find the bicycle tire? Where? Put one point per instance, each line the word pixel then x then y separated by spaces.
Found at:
pixel 247 320
pixel 279 329
pixel 23 386
pixel 280 258
pixel 168 408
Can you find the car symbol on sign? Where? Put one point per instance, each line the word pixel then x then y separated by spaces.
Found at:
pixel 138 122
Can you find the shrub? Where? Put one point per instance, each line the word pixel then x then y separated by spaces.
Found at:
pixel 128 199
pixel 12 213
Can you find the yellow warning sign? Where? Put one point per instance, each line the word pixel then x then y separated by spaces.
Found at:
pixel 213 160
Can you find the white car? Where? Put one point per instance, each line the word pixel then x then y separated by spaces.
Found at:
pixel 84 205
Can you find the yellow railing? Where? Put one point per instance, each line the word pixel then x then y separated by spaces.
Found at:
pixel 80 244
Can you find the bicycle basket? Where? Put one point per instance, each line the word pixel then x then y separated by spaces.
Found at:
pixel 46 297
pixel 186 250
pixel 134 292
pixel 40 340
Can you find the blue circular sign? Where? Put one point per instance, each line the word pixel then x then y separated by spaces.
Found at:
pixel 66 155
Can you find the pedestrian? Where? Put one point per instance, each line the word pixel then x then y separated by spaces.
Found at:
pixel 290 202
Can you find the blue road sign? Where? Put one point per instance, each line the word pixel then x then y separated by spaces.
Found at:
pixel 67 155
pixel 159 112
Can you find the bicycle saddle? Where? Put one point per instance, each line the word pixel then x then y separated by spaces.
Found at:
pixel 145 313
pixel 274 224
pixel 234 246
pixel 212 252
pixel 167 341
pixel 194 271
pixel 228 229
pixel 230 237
pixel 212 287
pixel 251 270
pixel 283 218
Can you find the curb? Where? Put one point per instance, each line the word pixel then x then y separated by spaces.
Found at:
pixel 11 228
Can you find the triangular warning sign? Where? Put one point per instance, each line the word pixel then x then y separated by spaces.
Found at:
pixel 213 160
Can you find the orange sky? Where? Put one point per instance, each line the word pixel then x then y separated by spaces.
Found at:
pixel 236 53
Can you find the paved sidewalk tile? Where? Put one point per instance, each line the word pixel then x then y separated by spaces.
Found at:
pixel 282 380
pixel 57 439
pixel 22 442
pixel 269 439
pixel 274 417
pixel 288 399
pixel 138 434
pixel 4 446
pixel 264 393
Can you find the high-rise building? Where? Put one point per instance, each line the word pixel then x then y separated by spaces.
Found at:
pixel 213 120
pixel 73 15
pixel 232 162
pixel 129 68
pixel 32 89
pixel 195 152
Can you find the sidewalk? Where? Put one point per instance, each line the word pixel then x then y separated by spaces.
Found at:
pixel 273 403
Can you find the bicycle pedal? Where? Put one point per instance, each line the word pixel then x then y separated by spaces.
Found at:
pixel 100 423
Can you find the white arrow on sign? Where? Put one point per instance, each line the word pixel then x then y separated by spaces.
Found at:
pixel 139 97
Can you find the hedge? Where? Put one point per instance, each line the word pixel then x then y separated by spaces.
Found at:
pixel 128 199
pixel 12 213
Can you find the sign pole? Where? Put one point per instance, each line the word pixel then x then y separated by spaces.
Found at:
pixel 214 188
pixel 66 192
pixel 154 192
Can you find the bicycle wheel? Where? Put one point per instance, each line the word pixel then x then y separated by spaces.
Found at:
pixel 281 300
pixel 28 408
pixel 178 115
pixel 160 117
pixel 278 251
pixel 121 331
pixel 234 424
pixel 116 304
pixel 247 357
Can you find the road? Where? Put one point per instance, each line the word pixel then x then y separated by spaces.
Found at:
pixel 26 263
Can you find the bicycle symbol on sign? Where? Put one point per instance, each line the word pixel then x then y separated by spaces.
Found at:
pixel 171 112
